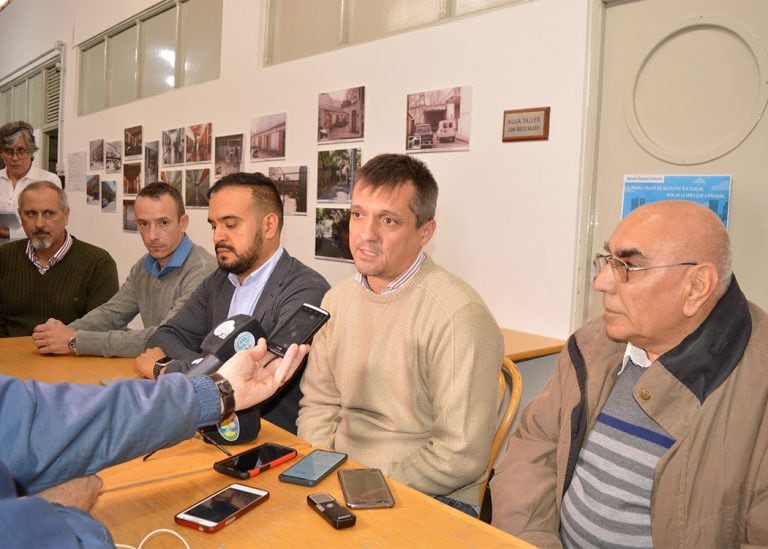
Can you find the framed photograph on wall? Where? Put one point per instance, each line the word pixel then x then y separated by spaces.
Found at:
pixel 268 137
pixel 108 195
pixel 198 143
pixel 131 178
pixel 336 174
pixel 114 157
pixel 151 158
pixel 439 120
pixel 133 138
pixel 228 155
pixel 341 115
pixel 92 188
pixel 173 178
pixel 173 147
pixel 332 234
pixel 292 183
pixel 96 155
pixel 129 216
pixel 196 184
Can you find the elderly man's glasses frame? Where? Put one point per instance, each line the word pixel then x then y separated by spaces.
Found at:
pixel 621 269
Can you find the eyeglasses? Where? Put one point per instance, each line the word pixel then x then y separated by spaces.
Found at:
pixel 620 268
pixel 20 152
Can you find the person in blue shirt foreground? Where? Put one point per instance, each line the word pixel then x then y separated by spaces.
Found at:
pixel 57 436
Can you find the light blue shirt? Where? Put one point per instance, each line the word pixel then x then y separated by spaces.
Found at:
pixel 180 254
pixel 248 293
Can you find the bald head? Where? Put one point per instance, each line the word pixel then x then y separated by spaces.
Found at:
pixel 677 257
pixel 686 230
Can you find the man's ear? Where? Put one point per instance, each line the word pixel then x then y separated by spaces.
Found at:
pixel 426 231
pixel 702 283
pixel 269 225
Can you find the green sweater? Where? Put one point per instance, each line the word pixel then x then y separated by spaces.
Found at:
pixel 407 382
pixel 84 279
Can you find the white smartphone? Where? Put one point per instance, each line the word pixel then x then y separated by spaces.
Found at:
pixel 219 509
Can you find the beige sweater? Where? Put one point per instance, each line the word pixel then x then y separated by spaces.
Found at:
pixel 407 382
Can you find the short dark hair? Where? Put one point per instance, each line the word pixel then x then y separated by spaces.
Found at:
pixel 11 131
pixel 156 190
pixel 262 187
pixel 390 171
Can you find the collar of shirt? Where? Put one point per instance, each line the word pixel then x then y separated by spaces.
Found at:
pixel 637 355
pixel 400 280
pixel 58 256
pixel 248 293
pixel 179 256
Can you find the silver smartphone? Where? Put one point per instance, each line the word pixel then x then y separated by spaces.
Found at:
pixel 365 488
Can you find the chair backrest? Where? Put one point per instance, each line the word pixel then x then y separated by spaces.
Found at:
pixel 510 391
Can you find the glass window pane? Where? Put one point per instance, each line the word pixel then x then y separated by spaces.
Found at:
pixel 370 19
pixel 468 6
pixel 93 85
pixel 36 100
pixel 6 106
pixel 20 101
pixel 201 40
pixel 159 53
pixel 122 65
pixel 289 36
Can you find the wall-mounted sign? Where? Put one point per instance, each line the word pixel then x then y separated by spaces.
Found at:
pixel 526 124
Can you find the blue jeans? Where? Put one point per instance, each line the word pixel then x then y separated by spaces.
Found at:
pixel 470 510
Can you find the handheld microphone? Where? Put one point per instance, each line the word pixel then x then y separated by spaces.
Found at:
pixel 234 334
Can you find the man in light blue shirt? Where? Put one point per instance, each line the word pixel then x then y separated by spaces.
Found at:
pixel 157 286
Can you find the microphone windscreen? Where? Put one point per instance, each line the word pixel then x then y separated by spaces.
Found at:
pixel 234 334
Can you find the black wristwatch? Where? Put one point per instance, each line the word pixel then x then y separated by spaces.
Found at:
pixel 159 365
pixel 226 394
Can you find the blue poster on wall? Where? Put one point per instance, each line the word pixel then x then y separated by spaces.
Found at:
pixel 712 191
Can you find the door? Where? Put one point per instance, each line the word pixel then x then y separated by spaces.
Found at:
pixel 683 91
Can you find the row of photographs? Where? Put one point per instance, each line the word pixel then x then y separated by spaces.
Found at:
pixel 331 223
pixel 435 120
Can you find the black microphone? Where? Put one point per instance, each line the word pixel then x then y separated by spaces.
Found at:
pixel 234 334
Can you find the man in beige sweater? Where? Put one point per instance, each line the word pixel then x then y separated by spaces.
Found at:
pixel 404 375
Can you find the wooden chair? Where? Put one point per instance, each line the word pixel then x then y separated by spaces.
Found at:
pixel 510 391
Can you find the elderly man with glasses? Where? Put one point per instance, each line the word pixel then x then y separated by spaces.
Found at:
pixel 653 429
pixel 17 150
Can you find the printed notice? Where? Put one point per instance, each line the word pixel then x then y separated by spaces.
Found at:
pixel 712 191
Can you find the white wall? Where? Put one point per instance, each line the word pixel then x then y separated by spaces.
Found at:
pixel 507 214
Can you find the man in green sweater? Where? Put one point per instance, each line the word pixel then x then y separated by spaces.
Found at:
pixel 404 375
pixel 156 288
pixel 50 273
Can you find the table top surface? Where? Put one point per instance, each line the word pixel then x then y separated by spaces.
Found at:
pixel 140 496
pixel 523 345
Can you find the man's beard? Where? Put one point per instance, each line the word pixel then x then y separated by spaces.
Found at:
pixel 39 243
pixel 243 262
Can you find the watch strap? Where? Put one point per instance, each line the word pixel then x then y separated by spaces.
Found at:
pixel 226 394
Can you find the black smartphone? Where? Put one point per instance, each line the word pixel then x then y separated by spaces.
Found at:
pixel 299 328
pixel 219 509
pixel 254 461
pixel 365 488
pixel 313 468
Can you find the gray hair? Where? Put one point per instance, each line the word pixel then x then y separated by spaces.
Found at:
pixel 12 131
pixel 63 202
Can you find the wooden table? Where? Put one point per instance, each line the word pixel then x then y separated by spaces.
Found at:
pixel 140 496
pixel 523 345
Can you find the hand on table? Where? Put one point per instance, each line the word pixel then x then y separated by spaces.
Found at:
pixel 79 492
pixel 145 362
pixel 52 337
